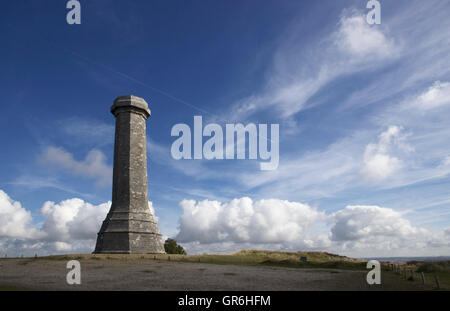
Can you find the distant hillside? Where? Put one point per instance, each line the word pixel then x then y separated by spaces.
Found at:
pixel 317 257
pixel 322 260
pixel 406 259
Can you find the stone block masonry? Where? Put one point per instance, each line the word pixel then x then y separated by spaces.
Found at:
pixel 130 226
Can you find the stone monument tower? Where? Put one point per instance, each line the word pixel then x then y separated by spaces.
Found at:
pixel 129 226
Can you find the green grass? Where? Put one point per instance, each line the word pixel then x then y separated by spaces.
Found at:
pixel 320 260
pixel 10 288
pixel 433 266
pixel 441 269
pixel 244 257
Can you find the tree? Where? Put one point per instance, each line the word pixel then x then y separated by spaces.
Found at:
pixel 171 247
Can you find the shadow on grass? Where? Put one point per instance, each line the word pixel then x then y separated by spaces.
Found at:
pixel 339 265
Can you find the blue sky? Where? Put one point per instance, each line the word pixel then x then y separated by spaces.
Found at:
pixel 363 113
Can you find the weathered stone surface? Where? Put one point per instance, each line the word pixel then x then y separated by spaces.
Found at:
pixel 129 226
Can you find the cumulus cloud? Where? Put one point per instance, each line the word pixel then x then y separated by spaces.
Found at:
pixel 378 163
pixel 358 230
pixel 69 226
pixel 15 221
pixel 361 222
pixel 93 166
pixel 282 224
pixel 72 219
pixel 242 220
pixel 435 96
pixel 357 38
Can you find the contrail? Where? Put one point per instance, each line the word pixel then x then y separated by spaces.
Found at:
pixel 124 75
pixel 128 77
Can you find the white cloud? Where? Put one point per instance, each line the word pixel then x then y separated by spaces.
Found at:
pixel 83 131
pixel 73 219
pixel 437 95
pixel 380 166
pixel 440 240
pixel 298 73
pixel 362 230
pixel 417 52
pixel 210 226
pixel 242 220
pixel 359 39
pixel 362 222
pixel 94 165
pixel 62 247
pixel 421 58
pixel 69 226
pixel 15 221
pixel 378 163
pixel 425 157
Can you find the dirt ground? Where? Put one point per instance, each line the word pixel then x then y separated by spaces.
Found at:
pixel 147 274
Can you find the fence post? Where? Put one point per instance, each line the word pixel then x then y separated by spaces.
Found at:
pixel 436 278
pixel 423 278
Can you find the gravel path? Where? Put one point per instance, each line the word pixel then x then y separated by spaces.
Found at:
pixel 147 274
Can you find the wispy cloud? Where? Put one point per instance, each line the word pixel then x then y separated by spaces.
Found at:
pixel 33 182
pixel 296 76
pixel 87 131
pixel 93 166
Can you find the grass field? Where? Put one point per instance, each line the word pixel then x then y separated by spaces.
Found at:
pixel 439 269
pixel 244 257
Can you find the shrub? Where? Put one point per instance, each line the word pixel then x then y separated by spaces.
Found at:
pixel 171 247
pixel 437 266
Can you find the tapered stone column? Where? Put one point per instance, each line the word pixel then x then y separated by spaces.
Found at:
pixel 129 226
